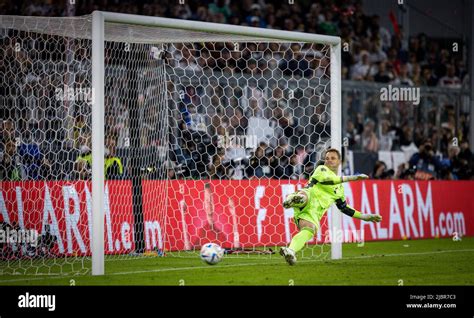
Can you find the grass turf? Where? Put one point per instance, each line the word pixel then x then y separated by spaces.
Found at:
pixel 413 262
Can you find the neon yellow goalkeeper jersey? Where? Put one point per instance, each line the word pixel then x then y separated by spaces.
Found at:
pixel 320 196
pixel 326 194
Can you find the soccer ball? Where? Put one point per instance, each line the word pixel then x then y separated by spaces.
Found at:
pixel 211 253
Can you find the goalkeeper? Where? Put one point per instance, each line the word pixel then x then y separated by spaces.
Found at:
pixel 310 203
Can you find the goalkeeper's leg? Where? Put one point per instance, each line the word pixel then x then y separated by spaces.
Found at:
pixel 307 230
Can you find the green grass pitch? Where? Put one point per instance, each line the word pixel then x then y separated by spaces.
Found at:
pixel 412 262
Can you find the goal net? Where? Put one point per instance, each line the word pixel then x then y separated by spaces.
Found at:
pixel 156 136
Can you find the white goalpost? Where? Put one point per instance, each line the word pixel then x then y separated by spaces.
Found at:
pixel 188 105
pixel 97 236
pixel 100 18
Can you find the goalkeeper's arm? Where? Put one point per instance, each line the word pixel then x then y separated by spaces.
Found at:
pixel 346 209
pixel 335 180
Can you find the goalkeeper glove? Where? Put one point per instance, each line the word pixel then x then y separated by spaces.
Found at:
pixel 371 218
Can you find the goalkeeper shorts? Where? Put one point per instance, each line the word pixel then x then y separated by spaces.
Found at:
pixel 308 213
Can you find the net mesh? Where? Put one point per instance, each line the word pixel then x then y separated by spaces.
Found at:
pixel 204 137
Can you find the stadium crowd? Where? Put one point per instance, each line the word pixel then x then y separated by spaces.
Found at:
pixel 375 54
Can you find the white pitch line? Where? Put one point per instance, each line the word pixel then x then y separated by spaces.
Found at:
pixel 409 254
pixel 236 265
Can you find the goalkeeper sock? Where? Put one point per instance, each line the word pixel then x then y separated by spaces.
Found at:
pixel 299 240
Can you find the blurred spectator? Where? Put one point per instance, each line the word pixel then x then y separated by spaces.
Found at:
pixel 278 163
pixel 302 154
pixel 10 167
pixel 376 54
pixel 289 125
pixel 452 165
pixel 221 7
pixel 315 15
pixel 293 170
pixel 255 18
pixel 380 32
pixel 352 135
pixel 361 70
pixel 182 154
pixel 390 113
pixel 426 162
pixel 83 164
pixel 318 126
pixel 185 58
pixel 237 122
pixel 113 164
pixel 460 161
pixel 328 26
pixel 383 75
pixel 428 78
pixel 380 171
pixel 393 62
pixel 183 11
pixel 417 47
pixel 405 172
pixel 35 165
pixel 9 131
pixel 370 142
pixel 386 136
pixel 405 136
pixel 403 78
pixel 170 169
pixel 465 153
pixel 447 135
pixel 294 63
pixel 416 75
pixel 217 169
pixel 258 164
pixel 450 79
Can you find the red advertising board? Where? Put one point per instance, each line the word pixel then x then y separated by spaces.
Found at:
pixel 67 208
pixel 183 214
pixel 410 209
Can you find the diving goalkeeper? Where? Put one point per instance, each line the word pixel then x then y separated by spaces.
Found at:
pixel 311 202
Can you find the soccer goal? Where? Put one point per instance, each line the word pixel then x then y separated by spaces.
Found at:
pixel 130 136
